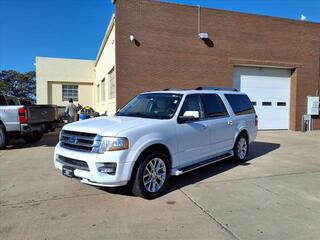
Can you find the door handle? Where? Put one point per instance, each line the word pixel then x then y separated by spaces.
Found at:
pixel 230 122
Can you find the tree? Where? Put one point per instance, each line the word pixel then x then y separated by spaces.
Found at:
pixel 18 84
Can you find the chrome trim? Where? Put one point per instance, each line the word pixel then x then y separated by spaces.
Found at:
pixel 80 141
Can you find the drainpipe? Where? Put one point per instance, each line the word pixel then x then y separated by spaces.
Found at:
pixel 199 19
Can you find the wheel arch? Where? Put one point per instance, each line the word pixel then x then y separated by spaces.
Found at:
pixel 149 149
pixel 2 124
pixel 242 131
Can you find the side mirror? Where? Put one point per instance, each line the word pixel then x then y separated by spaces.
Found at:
pixel 190 116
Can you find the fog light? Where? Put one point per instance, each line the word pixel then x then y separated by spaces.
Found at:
pixel 108 168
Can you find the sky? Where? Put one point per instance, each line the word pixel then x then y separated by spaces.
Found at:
pixel 75 28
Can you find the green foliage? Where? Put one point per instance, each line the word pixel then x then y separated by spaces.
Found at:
pixel 18 84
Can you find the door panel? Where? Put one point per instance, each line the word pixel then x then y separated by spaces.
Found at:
pixel 193 137
pixel 193 142
pixel 220 125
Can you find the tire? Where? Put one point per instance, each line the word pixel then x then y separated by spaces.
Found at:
pixel 33 137
pixel 241 148
pixel 3 138
pixel 148 182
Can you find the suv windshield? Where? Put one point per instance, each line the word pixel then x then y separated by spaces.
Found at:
pixel 152 105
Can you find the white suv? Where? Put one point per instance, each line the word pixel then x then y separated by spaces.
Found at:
pixel 158 135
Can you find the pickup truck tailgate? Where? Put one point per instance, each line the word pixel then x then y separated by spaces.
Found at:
pixel 42 114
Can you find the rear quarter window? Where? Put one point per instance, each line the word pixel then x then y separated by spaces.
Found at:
pixel 240 104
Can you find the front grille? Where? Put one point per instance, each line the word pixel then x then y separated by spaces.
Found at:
pixel 79 141
pixel 77 164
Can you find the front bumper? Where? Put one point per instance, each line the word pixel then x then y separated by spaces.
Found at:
pixel 91 175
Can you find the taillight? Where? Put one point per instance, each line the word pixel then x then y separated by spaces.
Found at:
pixel 256 121
pixel 23 115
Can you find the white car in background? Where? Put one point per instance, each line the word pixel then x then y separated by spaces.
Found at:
pixel 158 135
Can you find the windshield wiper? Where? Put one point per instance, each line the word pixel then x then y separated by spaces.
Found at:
pixel 133 114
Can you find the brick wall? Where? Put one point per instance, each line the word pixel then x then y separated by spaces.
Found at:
pixel 169 54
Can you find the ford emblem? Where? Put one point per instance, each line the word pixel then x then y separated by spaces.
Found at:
pixel 72 140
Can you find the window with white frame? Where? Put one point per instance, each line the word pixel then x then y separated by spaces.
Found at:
pixel 112 84
pixel 98 93
pixel 103 90
pixel 69 91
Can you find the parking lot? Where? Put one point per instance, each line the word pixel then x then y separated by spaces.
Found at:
pixel 275 195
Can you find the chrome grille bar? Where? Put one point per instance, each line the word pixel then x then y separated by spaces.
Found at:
pixel 79 141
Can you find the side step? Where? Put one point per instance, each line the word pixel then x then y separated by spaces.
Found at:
pixel 201 164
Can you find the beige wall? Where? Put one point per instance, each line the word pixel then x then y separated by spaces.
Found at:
pixel 55 93
pixel 105 62
pixel 52 73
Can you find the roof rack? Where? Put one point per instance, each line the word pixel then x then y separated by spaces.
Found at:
pixel 173 89
pixel 216 88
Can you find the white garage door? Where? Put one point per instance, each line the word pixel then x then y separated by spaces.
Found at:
pixel 269 91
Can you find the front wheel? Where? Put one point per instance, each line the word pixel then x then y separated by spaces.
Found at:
pixel 152 176
pixel 241 149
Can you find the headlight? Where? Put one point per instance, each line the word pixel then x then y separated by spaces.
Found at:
pixel 113 144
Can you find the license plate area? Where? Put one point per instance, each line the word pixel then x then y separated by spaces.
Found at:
pixel 68 171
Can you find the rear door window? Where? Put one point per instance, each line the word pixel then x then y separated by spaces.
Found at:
pixel 240 104
pixel 213 105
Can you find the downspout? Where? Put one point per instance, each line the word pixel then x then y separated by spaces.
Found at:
pixel 318 90
pixel 199 20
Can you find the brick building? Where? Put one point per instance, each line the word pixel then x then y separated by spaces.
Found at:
pixel 152 45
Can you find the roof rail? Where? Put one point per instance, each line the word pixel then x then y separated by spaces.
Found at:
pixel 173 89
pixel 216 88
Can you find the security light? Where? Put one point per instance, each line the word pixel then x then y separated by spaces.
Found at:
pixel 203 36
pixel 132 38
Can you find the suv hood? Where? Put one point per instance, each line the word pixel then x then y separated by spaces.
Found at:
pixel 108 126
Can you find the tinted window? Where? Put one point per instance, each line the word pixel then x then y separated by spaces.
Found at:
pixel 193 103
pixel 240 104
pixel 152 105
pixel 213 105
pixel 2 101
pixel 25 102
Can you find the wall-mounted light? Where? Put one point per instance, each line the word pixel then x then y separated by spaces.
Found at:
pixel 132 38
pixel 203 36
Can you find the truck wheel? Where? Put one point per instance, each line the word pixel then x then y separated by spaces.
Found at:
pixel 3 137
pixel 152 176
pixel 241 149
pixel 33 137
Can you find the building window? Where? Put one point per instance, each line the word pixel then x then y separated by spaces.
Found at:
pixel 70 91
pixel 103 90
pixel 112 84
pixel 98 93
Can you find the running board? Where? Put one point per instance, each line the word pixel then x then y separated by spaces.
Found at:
pixel 177 172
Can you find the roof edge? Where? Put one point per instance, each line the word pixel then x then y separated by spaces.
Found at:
pixel 105 38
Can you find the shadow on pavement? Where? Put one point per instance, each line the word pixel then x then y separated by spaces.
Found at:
pixel 48 140
pixel 257 149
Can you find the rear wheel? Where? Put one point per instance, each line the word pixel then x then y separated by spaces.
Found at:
pixel 3 137
pixel 241 148
pixel 33 137
pixel 152 176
